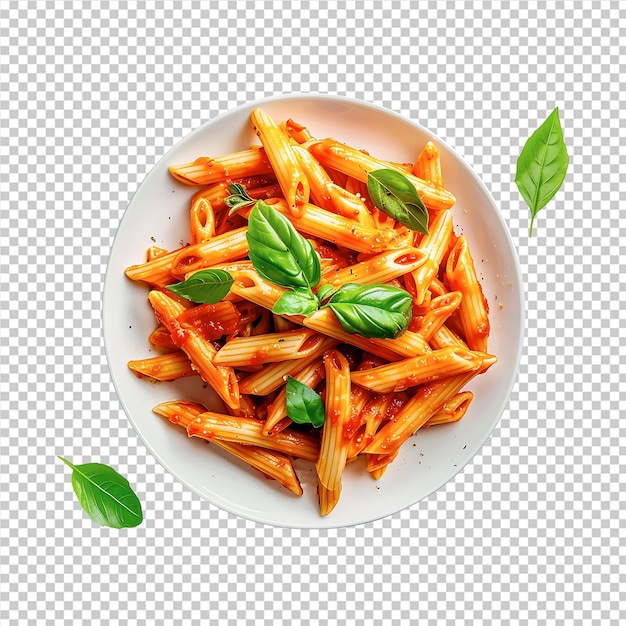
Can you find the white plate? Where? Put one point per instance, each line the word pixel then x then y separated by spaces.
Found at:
pixel 158 212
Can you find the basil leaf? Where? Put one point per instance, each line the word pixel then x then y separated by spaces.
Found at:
pixel 394 194
pixel 380 311
pixel 238 199
pixel 542 165
pixel 304 406
pixel 324 291
pixel 278 251
pixel 105 495
pixel 296 303
pixel 204 287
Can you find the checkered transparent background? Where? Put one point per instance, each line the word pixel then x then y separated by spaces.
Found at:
pixel 92 95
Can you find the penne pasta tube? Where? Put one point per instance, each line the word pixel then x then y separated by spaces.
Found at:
pixel 334 446
pixel 329 196
pixel 279 151
pixel 298 132
pixel 444 338
pixel 154 252
pixel 355 163
pixel 200 351
pixel 381 268
pixel 216 426
pixel 415 371
pixel 439 310
pixel 377 464
pixel 428 165
pixel 371 416
pixel 164 367
pixel 316 222
pixel 208 171
pixel 160 337
pixel 328 499
pixel 201 221
pixel 474 310
pixel 433 246
pixel 268 348
pixel 452 410
pixel 229 246
pixel 157 272
pixel 271 464
pixel 273 375
pixel 419 409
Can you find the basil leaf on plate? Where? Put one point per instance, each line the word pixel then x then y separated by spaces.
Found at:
pixel 379 311
pixel 542 165
pixel 204 286
pixel 105 495
pixel 279 252
pixel 301 302
pixel 394 194
pixel 304 406
pixel 238 199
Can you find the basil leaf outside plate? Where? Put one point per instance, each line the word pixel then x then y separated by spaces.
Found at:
pixel 105 495
pixel 394 194
pixel 278 251
pixel 204 287
pixel 542 165
pixel 373 311
pixel 296 303
pixel 304 406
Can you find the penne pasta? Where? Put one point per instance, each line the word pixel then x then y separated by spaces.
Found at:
pixel 272 464
pixel 171 366
pixel 223 248
pixel 473 312
pixel 279 151
pixel 358 164
pixel 216 426
pixel 415 371
pixel 452 410
pixel 419 409
pixel 200 351
pixel 428 165
pixel 433 246
pixel 334 446
pixel 201 221
pixel 208 171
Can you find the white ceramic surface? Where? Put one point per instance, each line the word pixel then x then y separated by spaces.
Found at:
pixel 158 214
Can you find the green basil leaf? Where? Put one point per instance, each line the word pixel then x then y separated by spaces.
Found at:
pixel 278 251
pixel 238 199
pixel 304 406
pixel 204 287
pixel 380 311
pixel 296 303
pixel 542 165
pixel 394 194
pixel 105 495
pixel 324 291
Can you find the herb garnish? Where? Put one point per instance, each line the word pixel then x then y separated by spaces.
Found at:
pixel 304 406
pixel 105 495
pixel 542 165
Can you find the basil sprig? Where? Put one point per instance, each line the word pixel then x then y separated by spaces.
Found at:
pixel 394 194
pixel 105 495
pixel 304 406
pixel 239 198
pixel 204 287
pixel 542 165
pixel 382 311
